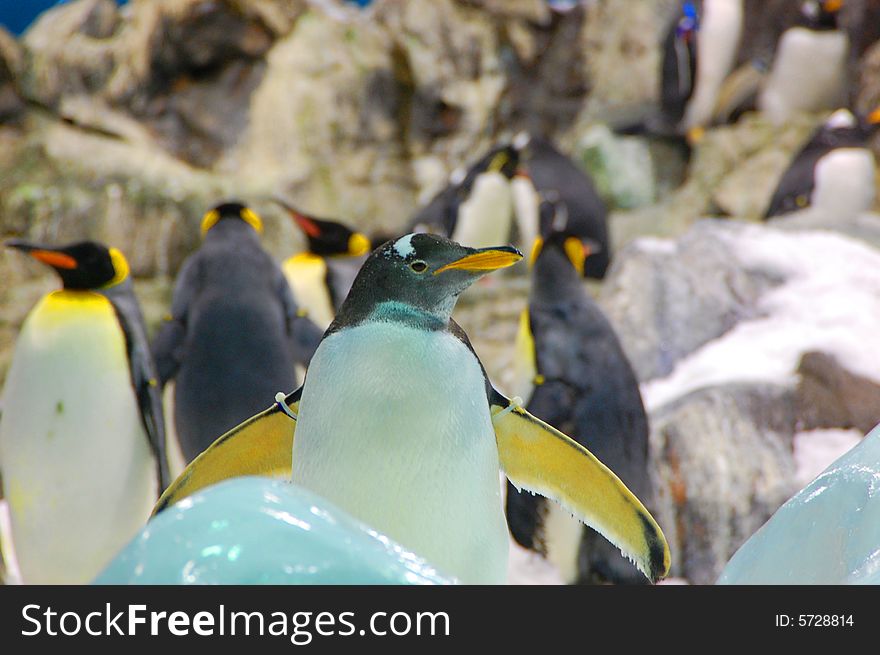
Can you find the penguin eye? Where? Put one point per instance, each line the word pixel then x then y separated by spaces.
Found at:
pixel 419 266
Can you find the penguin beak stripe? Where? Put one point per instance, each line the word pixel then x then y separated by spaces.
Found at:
pixel 307 226
pixel 874 117
pixel 54 259
pixel 489 259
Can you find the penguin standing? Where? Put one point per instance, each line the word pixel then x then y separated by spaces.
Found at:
pixel 699 51
pixel 558 180
pixel 809 69
pixel 398 425
pixel 321 277
pixel 834 172
pixel 574 373
pixel 82 437
pixel 231 304
pixel 476 208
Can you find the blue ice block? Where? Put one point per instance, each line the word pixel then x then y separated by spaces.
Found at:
pixel 261 531
pixel 828 533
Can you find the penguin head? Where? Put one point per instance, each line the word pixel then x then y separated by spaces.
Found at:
pixel 81 266
pixel 502 159
pixel 329 238
pixel 821 14
pixel 233 210
pixel 555 234
pixel 422 272
pixel 688 22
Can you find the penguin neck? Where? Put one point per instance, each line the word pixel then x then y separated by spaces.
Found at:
pixel 553 277
pixel 393 311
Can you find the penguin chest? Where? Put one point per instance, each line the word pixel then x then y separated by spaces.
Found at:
pixel 525 202
pixel 807 73
pixel 717 43
pixel 307 276
pixel 844 183
pixel 484 219
pixel 77 468
pixel 394 427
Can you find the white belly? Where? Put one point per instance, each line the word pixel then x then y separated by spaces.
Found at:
pixel 485 218
pixel 77 469
pixel 526 203
pixel 394 428
pixel 845 183
pixel 306 275
pixel 717 44
pixel 807 74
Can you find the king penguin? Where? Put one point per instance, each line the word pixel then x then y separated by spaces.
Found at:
pixel 574 374
pixel 398 424
pixel 699 51
pixel 476 207
pixel 321 276
pixel 82 437
pixel 809 68
pixel 231 304
pixel 835 171
pixel 560 181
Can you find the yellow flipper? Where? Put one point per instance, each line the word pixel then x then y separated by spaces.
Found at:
pixel 262 445
pixel 539 458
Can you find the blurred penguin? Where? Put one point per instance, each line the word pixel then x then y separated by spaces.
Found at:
pixel 699 51
pixel 82 437
pixel 234 334
pixel 321 277
pixel 834 173
pixel 809 69
pixel 572 369
pixel 556 178
pixel 476 207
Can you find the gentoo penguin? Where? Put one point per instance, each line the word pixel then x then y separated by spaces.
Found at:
pixel 574 374
pixel 321 277
pixel 809 68
pixel 231 304
pixel 834 172
pixel 82 437
pixel 398 424
pixel 699 51
pixel 557 179
pixel 476 208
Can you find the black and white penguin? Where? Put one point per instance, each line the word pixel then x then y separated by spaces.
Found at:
pixel 476 207
pixel 699 51
pixel 231 304
pixel 82 436
pixel 809 68
pixel 834 172
pixel 398 424
pixel 572 369
pixel 557 179
pixel 321 276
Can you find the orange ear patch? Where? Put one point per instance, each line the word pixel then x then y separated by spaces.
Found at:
pixel 306 224
pixel 54 259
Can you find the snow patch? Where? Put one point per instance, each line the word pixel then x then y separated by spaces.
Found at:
pixel 816 450
pixel 829 301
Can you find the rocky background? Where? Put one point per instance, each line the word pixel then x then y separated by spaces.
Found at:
pixel 126 124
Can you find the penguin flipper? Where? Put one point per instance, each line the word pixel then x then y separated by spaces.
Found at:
pixel 538 457
pixel 262 445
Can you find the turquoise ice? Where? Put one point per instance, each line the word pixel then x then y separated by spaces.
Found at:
pixel 828 533
pixel 261 531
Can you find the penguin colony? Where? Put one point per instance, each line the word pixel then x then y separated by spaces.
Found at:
pixel 397 422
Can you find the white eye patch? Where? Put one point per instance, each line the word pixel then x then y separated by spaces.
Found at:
pixel 403 246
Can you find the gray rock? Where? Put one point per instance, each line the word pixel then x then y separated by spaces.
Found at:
pixel 722 461
pixel 666 299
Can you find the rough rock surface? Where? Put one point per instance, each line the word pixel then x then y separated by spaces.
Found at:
pixel 723 464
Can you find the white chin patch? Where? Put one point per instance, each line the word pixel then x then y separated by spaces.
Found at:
pixel 403 246
pixel 840 119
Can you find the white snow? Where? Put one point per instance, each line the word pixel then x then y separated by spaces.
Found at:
pixel 815 450
pixel 829 301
